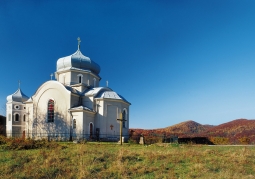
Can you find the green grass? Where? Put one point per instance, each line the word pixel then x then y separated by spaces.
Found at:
pixel 104 160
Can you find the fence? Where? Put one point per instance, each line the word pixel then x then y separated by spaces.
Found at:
pixel 148 139
pixel 67 136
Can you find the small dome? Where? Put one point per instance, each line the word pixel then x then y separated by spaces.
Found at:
pixel 77 61
pixel 18 96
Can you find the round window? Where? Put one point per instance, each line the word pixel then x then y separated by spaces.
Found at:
pixel 16 107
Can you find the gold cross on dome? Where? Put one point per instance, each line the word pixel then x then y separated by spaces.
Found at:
pixel 79 42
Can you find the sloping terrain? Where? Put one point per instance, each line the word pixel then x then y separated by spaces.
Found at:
pixel 234 131
pixel 187 128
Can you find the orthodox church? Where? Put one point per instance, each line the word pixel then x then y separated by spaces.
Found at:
pixel 73 106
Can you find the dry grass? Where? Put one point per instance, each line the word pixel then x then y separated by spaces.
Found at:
pixel 101 160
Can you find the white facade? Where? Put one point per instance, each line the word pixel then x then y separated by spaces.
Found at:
pixel 16 114
pixel 72 107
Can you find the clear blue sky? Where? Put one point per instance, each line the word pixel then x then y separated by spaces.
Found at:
pixel 173 60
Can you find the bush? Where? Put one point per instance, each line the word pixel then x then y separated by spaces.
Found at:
pixel 152 139
pixel 25 144
pixel 245 140
pixel 3 140
pixel 219 140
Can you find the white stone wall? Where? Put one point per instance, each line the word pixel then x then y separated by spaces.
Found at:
pixel 71 78
pixel 29 119
pixel 108 113
pixel 57 92
pixel 14 127
pixel 74 100
pixel 87 119
pixel 77 132
pixel 9 119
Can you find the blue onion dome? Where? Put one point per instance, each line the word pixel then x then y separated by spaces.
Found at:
pixel 79 62
pixel 18 96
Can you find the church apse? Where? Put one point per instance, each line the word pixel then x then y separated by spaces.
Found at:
pixel 51 117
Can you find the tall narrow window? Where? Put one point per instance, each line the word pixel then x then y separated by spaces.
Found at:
pixel 124 118
pixel 10 117
pixel 91 130
pixel 74 124
pixel 24 118
pixel 51 111
pixel 16 117
pixel 80 76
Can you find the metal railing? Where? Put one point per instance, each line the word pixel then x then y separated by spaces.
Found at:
pixel 148 139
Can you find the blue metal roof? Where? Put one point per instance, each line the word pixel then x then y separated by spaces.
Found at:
pixel 81 108
pixel 78 61
pixel 18 96
pixel 110 95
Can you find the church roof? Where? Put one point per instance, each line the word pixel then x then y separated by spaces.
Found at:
pixel 78 61
pixel 81 108
pixel 110 95
pixel 72 90
pixel 18 96
pixel 105 93
pixel 29 100
pixel 94 91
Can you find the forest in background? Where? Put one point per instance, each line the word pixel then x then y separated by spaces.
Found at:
pixel 239 131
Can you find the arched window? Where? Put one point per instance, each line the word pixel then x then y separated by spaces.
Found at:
pixel 80 76
pixel 51 111
pixel 24 118
pixel 91 130
pixel 74 124
pixel 124 118
pixel 16 117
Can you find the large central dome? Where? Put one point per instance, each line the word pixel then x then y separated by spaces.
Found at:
pixel 77 61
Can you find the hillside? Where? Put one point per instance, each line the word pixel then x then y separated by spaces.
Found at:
pixel 233 132
pixel 187 128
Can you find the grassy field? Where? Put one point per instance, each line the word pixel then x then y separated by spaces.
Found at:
pixel 104 160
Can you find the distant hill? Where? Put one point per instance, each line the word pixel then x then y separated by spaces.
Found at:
pixel 233 131
pixel 187 128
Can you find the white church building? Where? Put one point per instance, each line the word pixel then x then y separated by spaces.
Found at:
pixel 73 106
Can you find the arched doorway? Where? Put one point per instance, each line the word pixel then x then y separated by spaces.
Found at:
pixel 91 130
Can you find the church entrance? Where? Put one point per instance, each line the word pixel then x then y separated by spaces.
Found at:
pixel 90 130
